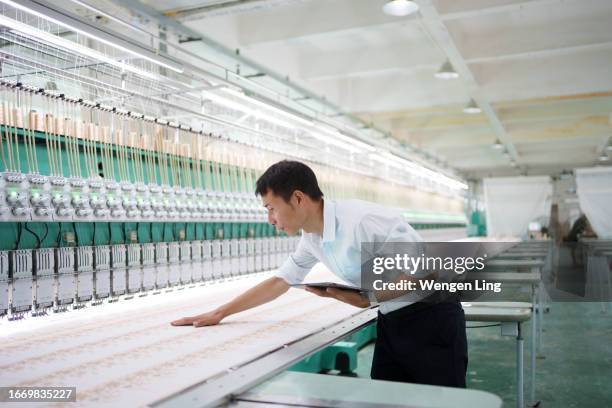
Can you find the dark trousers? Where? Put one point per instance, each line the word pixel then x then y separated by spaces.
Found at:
pixel 422 343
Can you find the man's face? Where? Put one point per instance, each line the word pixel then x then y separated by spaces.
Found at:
pixel 285 216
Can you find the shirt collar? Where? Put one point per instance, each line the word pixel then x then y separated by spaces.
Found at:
pixel 329 221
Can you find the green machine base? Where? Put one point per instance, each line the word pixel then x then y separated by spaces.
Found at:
pixel 340 356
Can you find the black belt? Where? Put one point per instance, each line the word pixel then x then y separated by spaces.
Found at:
pixel 430 301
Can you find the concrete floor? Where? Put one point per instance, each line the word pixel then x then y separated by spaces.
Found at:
pixel 574 371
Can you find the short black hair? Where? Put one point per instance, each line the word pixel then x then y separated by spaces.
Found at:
pixel 285 177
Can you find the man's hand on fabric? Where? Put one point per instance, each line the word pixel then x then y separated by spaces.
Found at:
pixel 347 296
pixel 204 319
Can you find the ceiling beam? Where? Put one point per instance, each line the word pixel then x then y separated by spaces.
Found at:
pixel 394 60
pixel 597 103
pixel 382 140
pixel 205 10
pixel 598 46
pixel 506 8
pixel 390 59
pixel 451 144
pixel 528 170
pixel 454 126
pixel 312 19
pixel 515 35
pixel 435 26
pixel 139 7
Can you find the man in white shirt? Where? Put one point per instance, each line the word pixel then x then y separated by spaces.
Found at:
pixel 417 341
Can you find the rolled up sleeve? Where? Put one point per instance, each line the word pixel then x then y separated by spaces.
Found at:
pixel 297 265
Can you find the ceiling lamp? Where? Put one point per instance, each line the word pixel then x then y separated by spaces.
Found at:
pixel 472 107
pixel 512 163
pixel 400 8
pixel 446 71
pixel 497 145
pixel 603 157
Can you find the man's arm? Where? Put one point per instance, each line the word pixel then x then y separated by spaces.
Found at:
pixel 293 270
pixel 259 294
pixel 386 230
pixel 361 300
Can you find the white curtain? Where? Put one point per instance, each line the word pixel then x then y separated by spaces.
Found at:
pixel 594 189
pixel 513 202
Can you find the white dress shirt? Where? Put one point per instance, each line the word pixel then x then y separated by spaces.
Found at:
pixel 346 224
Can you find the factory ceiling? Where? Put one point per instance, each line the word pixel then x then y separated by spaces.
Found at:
pixel 538 70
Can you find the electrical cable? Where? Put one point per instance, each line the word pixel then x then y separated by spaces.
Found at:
pixel 76 234
pixel 42 241
pixel 124 234
pixel 59 235
pixel 38 242
pixel 19 227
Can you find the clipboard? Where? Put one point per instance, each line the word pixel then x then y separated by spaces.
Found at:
pixel 325 285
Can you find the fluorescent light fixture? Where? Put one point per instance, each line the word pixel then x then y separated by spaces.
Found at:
pixel 472 107
pixel 497 145
pixel 72 27
pixel 446 71
pixel 346 139
pixel 329 139
pixel 333 137
pixel 246 109
pixel 400 8
pixel 30 31
pixel 249 99
pixel 354 141
pixel 389 158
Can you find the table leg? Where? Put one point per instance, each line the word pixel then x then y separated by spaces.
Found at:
pixel 533 343
pixel 540 317
pixel 593 274
pixel 608 299
pixel 539 311
pixel 520 403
